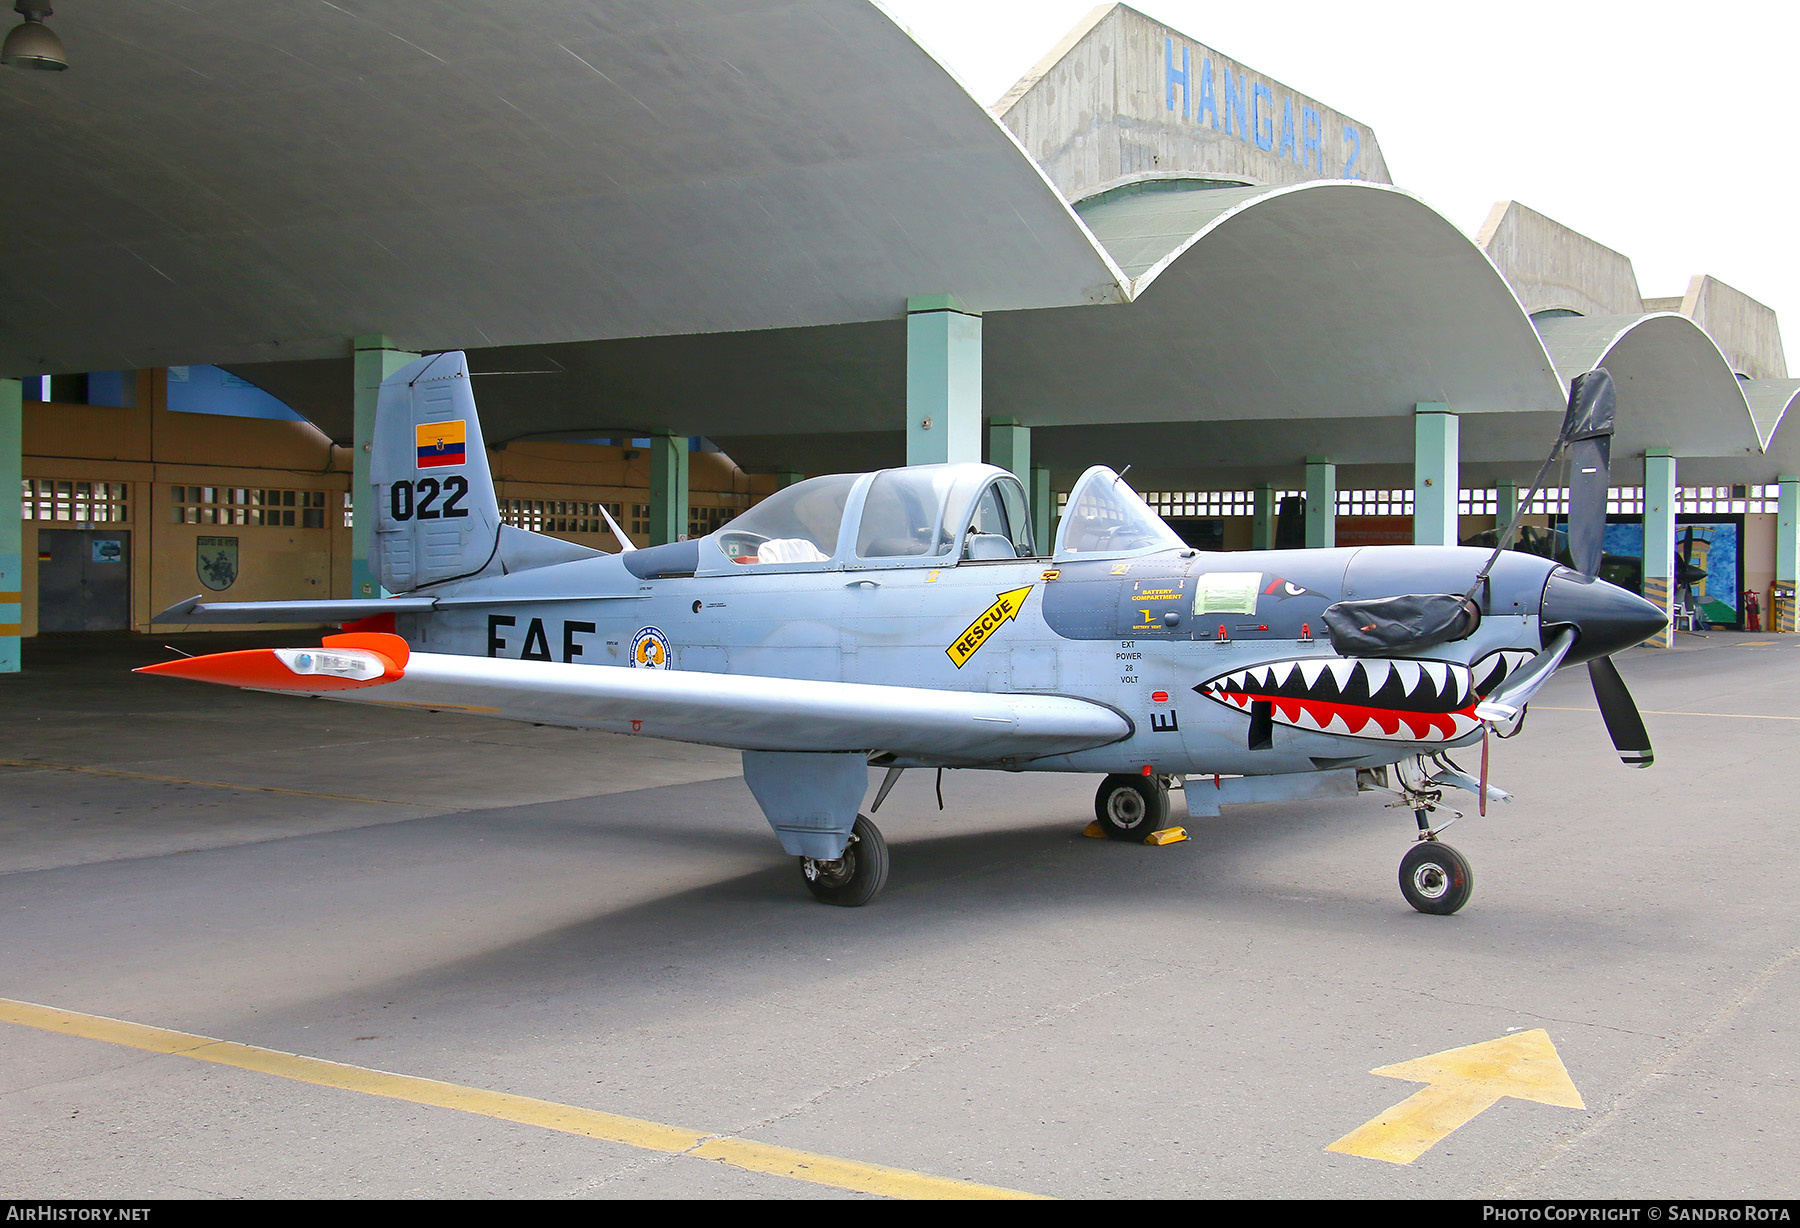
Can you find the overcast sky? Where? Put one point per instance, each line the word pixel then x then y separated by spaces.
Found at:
pixel 1668 133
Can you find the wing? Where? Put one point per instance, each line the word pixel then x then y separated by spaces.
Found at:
pixel 746 713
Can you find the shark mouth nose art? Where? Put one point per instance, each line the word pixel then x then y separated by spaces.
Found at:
pixel 1389 699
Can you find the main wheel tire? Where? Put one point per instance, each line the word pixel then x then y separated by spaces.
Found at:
pixel 1131 807
pixel 855 878
pixel 1435 878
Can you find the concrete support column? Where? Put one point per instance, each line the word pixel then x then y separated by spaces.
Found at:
pixel 943 381
pixel 1506 502
pixel 12 574
pixel 787 477
pixel 1009 446
pixel 1043 510
pixel 1437 438
pixel 1262 524
pixel 1787 550
pixel 668 488
pixel 1659 537
pixel 1321 503
pixel 375 358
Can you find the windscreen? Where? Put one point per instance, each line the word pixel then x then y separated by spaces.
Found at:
pixel 1104 516
pixel 796 525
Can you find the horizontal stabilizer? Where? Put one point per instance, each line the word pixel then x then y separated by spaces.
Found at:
pixel 746 713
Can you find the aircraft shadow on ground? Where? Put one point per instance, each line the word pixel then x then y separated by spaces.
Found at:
pixel 1023 877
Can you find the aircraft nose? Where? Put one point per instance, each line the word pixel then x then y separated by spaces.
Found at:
pixel 1606 617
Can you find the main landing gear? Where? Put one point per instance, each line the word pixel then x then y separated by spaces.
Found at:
pixel 855 878
pixel 1131 807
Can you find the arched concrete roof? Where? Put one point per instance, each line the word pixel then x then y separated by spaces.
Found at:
pixel 1306 305
pixel 1676 390
pixel 238 183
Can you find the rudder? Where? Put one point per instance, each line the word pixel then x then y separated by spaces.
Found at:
pixel 436 516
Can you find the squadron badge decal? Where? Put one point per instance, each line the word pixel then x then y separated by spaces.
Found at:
pixel 650 650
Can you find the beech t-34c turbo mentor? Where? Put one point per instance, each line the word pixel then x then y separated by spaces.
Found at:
pixel 906 619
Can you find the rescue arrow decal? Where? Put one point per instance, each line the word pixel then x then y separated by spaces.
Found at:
pixel 1006 606
pixel 1463 1083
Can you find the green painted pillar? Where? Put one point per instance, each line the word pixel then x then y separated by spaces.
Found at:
pixel 1787 551
pixel 1043 511
pixel 1321 503
pixel 375 358
pixel 787 477
pixel 1262 524
pixel 12 573
pixel 668 488
pixel 1009 446
pixel 1659 537
pixel 943 381
pixel 1436 442
pixel 1506 502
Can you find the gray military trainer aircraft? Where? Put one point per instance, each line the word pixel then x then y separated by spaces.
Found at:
pixel 906 619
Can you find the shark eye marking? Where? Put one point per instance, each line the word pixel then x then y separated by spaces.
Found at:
pixel 1396 699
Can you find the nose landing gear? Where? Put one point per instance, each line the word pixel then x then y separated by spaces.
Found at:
pixel 1434 877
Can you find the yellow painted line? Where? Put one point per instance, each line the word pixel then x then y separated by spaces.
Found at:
pixel 1735 716
pixel 12 628
pixel 547 1114
pixel 13 598
pixel 210 784
pixel 1461 1084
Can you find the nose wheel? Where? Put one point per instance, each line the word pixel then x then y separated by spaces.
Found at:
pixel 1435 878
pixel 852 880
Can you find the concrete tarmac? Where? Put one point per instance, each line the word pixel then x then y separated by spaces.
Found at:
pixel 607 923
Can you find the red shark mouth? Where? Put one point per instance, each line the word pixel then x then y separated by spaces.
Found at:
pixel 1387 699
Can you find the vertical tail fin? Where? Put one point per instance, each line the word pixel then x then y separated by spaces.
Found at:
pixel 436 517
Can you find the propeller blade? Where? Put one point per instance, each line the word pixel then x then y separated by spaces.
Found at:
pixel 1620 712
pixel 1587 431
pixel 1510 697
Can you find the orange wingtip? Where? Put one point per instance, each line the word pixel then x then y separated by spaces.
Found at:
pixel 263 669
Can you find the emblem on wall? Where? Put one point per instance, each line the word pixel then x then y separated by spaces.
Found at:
pixel 650 650
pixel 216 561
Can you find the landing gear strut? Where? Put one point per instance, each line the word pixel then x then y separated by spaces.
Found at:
pixel 1434 877
pixel 855 878
pixel 1131 807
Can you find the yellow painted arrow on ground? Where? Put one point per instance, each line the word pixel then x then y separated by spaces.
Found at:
pixel 1463 1083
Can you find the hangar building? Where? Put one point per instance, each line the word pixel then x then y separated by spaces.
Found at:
pixel 695 252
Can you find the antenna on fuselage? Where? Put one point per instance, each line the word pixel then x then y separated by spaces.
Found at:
pixel 624 542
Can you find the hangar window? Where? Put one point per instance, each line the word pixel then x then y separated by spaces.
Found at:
pixel 246 505
pixel 83 502
pixel 556 515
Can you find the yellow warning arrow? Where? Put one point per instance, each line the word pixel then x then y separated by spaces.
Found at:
pixel 1463 1082
pixel 1006 606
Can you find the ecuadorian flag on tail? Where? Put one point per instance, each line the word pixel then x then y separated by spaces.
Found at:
pixel 440 443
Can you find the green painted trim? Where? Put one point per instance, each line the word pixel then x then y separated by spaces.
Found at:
pixel 1009 447
pixel 1262 524
pixel 943 388
pixel 12 528
pixel 1043 510
pixel 1437 446
pixel 373 359
pixel 668 488
pixel 1321 504
pixel 938 302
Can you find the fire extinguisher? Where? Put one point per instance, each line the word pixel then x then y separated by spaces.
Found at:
pixel 1752 610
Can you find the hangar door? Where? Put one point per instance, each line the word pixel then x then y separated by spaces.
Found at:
pixel 84 579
